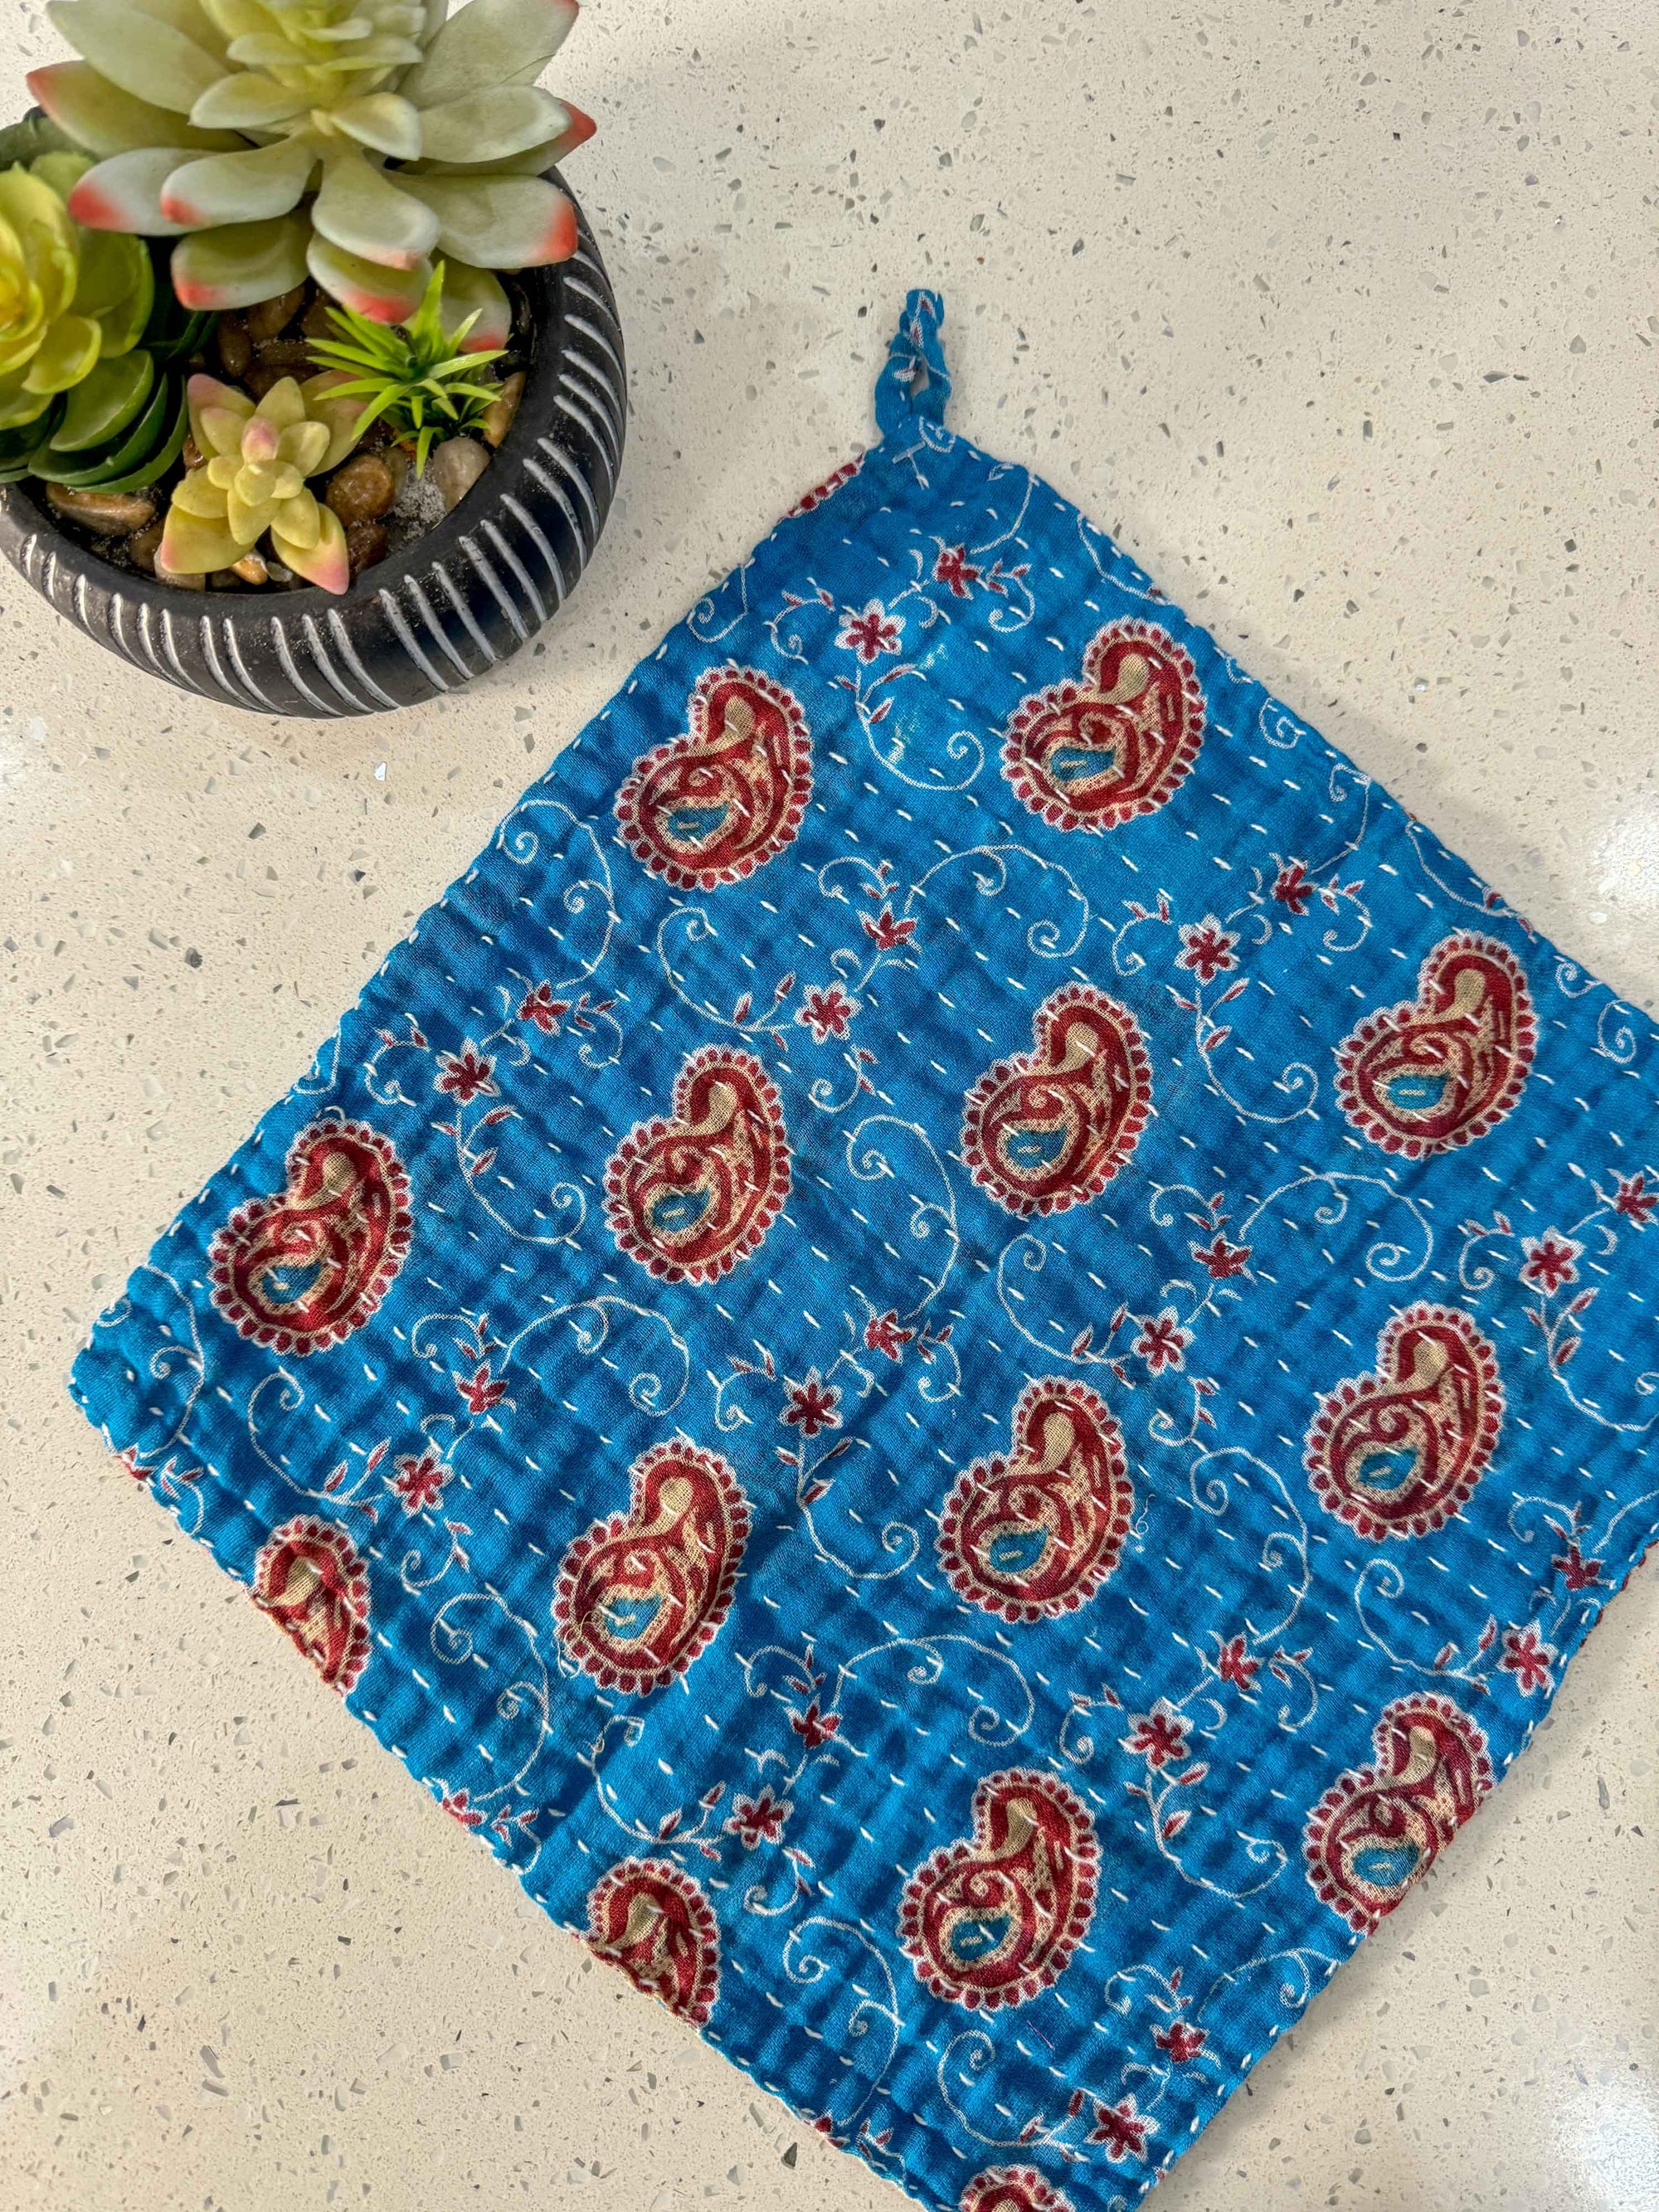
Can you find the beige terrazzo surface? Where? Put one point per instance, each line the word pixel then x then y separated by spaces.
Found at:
pixel 1341 318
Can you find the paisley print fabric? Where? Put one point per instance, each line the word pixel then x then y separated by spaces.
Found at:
pixel 302 1270
pixel 1035 1533
pixel 994 1920
pixel 1396 1453
pixel 721 801
pixel 1050 1128
pixel 310 1578
pixel 1447 1065
pixel 641 1594
pixel 957 1349
pixel 1012 2189
pixel 649 1917
pixel 1374 1831
pixel 1093 755
pixel 690 1197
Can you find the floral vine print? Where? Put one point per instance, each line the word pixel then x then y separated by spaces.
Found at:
pixel 958 1349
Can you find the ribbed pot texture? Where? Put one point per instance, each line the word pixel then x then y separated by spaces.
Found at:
pixel 425 620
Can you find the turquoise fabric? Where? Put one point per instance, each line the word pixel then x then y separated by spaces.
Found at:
pixel 957 1349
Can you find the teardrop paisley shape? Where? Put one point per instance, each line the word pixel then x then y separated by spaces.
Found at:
pixel 1035 1535
pixel 1012 2189
pixel 994 1920
pixel 725 798
pixel 650 1918
pixel 641 1595
pixel 302 1270
pixel 1440 1069
pixel 1377 1828
pixel 311 1579
pixel 1049 1129
pixel 1092 755
pixel 1396 1453
pixel 691 1196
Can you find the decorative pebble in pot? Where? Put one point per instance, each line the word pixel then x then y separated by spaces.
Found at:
pixel 312 397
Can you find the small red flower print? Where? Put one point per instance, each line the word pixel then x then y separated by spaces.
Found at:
pixel 955 568
pixel 1235 1664
pixel 815 1728
pixel 812 1405
pixel 1636 1199
pixel 1183 2043
pixel 480 1390
pixel 759 1819
pixel 1221 1259
pixel 466 1075
pixel 129 1459
pixel 886 931
pixel 1292 888
pixel 1159 1736
pixel 540 1006
pixel 459 1807
pixel 1528 1658
pixel 1162 1342
pixel 827 1012
pixel 1206 948
pixel 1550 1261
pixel 872 633
pixel 1122 2129
pixel 1575 1570
pixel 420 1482
pixel 882 1333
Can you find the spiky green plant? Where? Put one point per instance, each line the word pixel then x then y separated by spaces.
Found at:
pixel 355 138
pixel 415 378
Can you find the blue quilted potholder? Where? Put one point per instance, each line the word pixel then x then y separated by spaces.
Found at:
pixel 957 1349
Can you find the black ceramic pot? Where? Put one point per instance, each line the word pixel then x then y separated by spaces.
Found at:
pixel 425 620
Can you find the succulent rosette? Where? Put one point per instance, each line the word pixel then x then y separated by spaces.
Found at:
pixel 251 479
pixel 356 139
pixel 69 298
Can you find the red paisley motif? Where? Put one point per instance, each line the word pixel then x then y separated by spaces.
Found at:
pixel 1012 2189
pixel 1377 1828
pixel 1095 754
pixel 641 1595
pixel 690 1197
pixel 1440 1069
pixel 302 1270
pixel 1396 1452
pixel 312 1581
pixel 1035 1535
pixel 1049 1129
pixel 993 1921
pixel 725 798
pixel 651 1919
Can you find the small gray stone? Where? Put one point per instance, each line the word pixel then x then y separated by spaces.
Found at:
pixel 111 513
pixel 455 467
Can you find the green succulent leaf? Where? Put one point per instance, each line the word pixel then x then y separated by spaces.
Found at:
pixel 487 43
pixel 499 222
pixel 106 399
pixel 138 52
pixel 239 263
pixel 246 187
pixel 98 115
pixel 247 102
pixel 362 210
pixel 488 126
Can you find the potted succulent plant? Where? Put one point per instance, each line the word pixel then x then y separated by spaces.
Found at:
pixel 311 388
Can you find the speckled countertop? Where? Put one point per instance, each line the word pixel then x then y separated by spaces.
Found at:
pixel 1341 318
